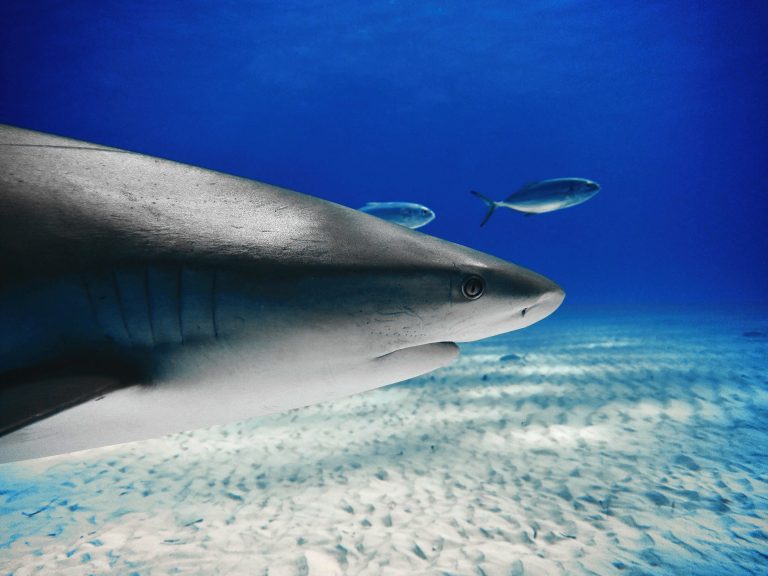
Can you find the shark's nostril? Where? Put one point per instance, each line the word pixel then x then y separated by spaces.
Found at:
pixel 523 312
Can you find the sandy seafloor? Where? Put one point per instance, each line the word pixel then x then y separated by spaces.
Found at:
pixel 597 442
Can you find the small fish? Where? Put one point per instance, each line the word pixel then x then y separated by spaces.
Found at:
pixel 406 214
pixel 544 196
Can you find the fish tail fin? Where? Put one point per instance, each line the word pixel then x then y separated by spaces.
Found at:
pixel 492 205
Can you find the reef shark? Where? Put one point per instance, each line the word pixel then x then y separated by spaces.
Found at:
pixel 141 297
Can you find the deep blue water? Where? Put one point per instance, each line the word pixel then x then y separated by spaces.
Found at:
pixel 641 423
pixel 663 103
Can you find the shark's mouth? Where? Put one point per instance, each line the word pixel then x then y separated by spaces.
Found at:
pixel 417 360
pixel 542 308
pixel 434 349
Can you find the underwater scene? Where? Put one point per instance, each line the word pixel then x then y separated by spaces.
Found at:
pixel 514 324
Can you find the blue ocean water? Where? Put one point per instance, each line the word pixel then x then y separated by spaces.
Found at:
pixel 626 434
pixel 663 103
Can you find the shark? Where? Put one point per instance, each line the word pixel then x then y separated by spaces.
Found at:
pixel 141 297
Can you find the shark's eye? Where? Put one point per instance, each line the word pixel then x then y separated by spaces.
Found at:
pixel 473 287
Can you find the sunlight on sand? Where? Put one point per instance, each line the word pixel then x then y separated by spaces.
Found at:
pixel 581 447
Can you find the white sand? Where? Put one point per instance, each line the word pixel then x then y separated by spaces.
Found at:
pixel 612 444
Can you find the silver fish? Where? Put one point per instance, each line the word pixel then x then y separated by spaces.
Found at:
pixel 544 196
pixel 406 214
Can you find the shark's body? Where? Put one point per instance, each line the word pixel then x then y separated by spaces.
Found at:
pixel 141 297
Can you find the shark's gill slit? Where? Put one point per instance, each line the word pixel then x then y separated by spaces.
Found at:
pixel 91 305
pixel 179 295
pixel 148 297
pixel 120 306
pixel 214 287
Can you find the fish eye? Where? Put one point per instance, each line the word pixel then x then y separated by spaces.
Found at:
pixel 473 287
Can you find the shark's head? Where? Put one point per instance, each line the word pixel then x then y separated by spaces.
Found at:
pixel 490 296
pixel 365 290
pixel 455 295
pixel 409 289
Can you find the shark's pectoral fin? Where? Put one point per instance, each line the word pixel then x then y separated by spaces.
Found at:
pixel 414 361
pixel 27 402
pixel 32 402
pixel 28 396
pixel 52 415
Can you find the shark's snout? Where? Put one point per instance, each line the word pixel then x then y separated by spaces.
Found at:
pixel 515 298
pixel 548 301
pixel 545 297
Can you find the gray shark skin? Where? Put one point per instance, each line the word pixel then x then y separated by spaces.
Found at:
pixel 141 297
